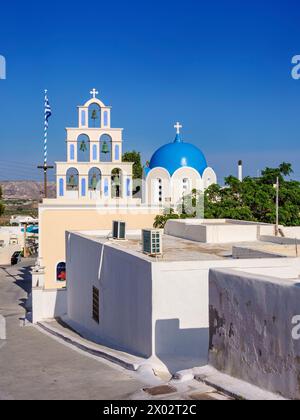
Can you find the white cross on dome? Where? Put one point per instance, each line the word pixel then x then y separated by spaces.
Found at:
pixel 178 126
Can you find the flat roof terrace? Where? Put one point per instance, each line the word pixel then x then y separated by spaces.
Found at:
pixel 178 249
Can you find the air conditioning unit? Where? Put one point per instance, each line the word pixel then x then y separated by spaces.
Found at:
pixel 152 241
pixel 119 230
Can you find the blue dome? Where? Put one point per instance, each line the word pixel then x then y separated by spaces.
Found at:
pixel 178 154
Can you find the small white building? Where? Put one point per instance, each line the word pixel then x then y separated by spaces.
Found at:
pixel 11 240
pixel 156 308
pixel 23 220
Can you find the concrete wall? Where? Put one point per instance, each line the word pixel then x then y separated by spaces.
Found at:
pixel 251 328
pixel 291 232
pixel 48 304
pixel 125 286
pixel 212 231
pixel 280 240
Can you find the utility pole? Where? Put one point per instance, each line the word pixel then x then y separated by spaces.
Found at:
pixel 45 169
pixel 277 207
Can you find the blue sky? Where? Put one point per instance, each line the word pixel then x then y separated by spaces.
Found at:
pixel 222 68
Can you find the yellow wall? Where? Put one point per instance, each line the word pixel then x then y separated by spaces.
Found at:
pixel 55 222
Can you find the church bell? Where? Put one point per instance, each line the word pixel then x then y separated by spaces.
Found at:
pixel 105 149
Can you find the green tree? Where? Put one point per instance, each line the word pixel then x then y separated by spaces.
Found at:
pixel 254 198
pixel 134 157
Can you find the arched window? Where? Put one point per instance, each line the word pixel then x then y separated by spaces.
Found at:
pixel 61 275
pixel 61 187
pixel 83 187
pixel 95 152
pixel 72 152
pixel 158 190
pixel 106 188
pixel 105 118
pixel 116 183
pixel 185 186
pixel 94 116
pixel 128 187
pixel 83 148
pixel 72 179
pixel 117 152
pixel 83 120
pixel 105 148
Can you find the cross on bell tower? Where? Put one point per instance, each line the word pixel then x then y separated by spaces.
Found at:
pixel 94 93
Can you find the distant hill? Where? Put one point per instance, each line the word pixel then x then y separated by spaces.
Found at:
pixel 26 190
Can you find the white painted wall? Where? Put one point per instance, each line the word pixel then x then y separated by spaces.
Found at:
pixel 251 329
pixel 48 304
pixel 125 288
pixel 7 252
pixel 291 232
pixel 9 234
pixel 212 231
pixel 180 315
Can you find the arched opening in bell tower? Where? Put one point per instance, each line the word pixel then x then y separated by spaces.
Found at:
pixel 95 182
pixel 116 183
pixel 83 148
pixel 94 114
pixel 105 148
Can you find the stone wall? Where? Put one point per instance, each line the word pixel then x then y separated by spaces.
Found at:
pixel 251 329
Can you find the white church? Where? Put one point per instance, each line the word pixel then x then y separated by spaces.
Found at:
pixel 94 170
pixel 95 187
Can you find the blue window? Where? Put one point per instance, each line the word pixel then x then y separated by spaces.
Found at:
pixel 106 190
pixel 117 152
pixel 61 187
pixel 128 187
pixel 72 152
pixel 105 118
pixel 83 187
pixel 94 152
pixel 83 121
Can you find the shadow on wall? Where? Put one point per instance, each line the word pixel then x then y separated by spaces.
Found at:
pixel 179 348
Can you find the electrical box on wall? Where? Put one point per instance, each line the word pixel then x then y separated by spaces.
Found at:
pixel 152 241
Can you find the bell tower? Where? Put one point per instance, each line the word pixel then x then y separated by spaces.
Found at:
pixel 94 153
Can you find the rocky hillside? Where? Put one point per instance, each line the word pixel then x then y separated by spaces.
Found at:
pixel 26 190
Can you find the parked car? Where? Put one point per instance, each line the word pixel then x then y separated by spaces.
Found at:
pixel 16 258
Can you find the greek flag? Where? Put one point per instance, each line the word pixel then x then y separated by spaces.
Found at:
pixel 48 111
pixel 48 114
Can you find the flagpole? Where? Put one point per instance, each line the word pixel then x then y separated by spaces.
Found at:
pixel 45 129
pixel 46 167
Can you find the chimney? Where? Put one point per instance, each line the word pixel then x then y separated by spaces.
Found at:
pixel 240 176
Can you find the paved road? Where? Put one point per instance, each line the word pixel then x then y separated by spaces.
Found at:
pixel 35 366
